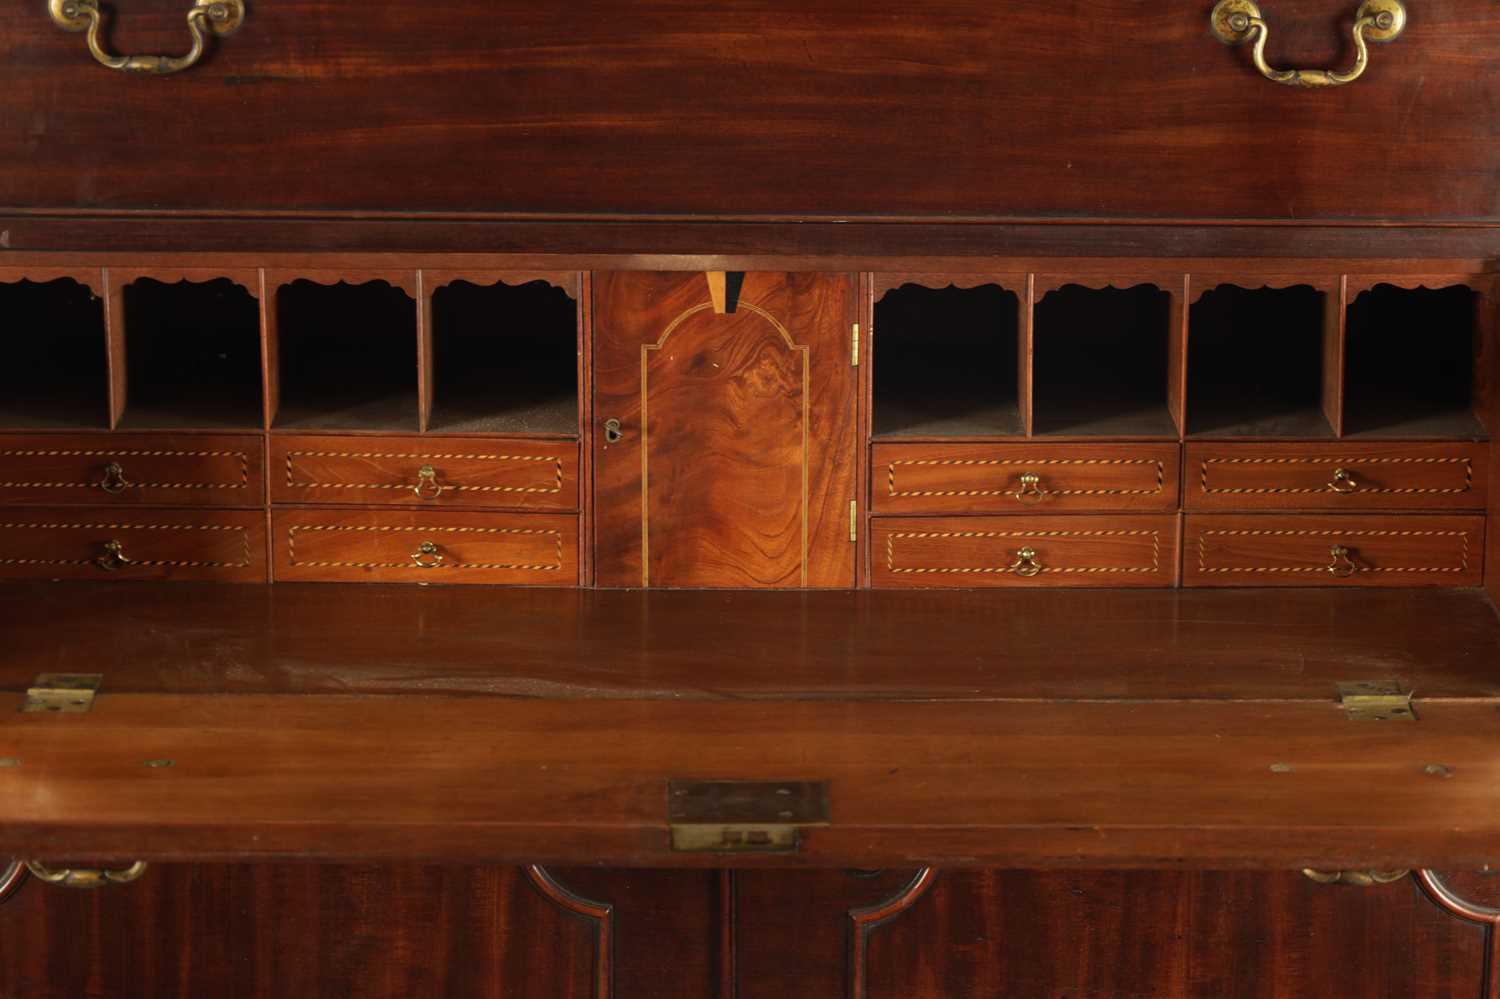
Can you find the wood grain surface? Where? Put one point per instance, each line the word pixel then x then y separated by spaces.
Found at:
pixel 735 465
pixel 852 108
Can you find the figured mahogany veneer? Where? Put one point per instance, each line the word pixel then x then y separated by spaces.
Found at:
pixel 428 547
pixel 226 546
pixel 154 469
pixel 1273 550
pixel 986 478
pixel 387 471
pixel 965 552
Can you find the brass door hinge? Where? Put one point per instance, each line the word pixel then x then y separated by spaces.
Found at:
pixel 1372 700
pixel 71 693
pixel 743 816
pixel 854 520
pixel 854 349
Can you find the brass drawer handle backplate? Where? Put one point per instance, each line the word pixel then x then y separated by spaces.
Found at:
pixel 1025 563
pixel 83 877
pixel 1343 481
pixel 1235 22
pixel 428 487
pixel 113 480
pixel 1030 490
pixel 1341 563
pixel 205 17
pixel 113 557
pixel 429 555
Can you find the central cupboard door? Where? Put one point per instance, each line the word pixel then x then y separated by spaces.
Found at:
pixel 725 429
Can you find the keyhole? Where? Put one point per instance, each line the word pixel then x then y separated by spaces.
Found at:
pixel 612 433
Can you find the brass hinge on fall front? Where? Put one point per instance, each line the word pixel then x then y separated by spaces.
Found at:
pixel 1373 700
pixel 71 693
pixel 854 520
pixel 854 351
pixel 743 816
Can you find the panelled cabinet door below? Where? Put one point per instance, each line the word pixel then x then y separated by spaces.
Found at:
pixel 725 429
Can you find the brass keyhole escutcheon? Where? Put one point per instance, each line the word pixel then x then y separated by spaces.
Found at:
pixel 114 480
pixel 1026 563
pixel 1030 490
pixel 1343 481
pixel 612 432
pixel 113 557
pixel 429 555
pixel 428 487
pixel 1341 562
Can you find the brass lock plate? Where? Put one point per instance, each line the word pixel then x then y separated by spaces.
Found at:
pixel 742 816
pixel 62 693
pixel 1375 700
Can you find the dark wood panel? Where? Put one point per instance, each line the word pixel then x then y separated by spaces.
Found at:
pixel 735 461
pixel 685 645
pixel 1045 784
pixel 848 108
pixel 299 931
pixel 1030 934
pixel 793 932
pixel 706 244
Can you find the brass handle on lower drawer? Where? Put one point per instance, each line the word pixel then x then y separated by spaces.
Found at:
pixel 1235 22
pixel 86 877
pixel 1342 563
pixel 1343 481
pixel 205 17
pixel 1362 879
pixel 113 557
pixel 1025 563
pixel 429 555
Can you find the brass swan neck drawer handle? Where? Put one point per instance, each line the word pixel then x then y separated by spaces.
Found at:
pixel 113 557
pixel 113 480
pixel 1341 562
pixel 85 877
pixel 1025 563
pixel 205 17
pixel 1343 481
pixel 1235 22
pixel 428 487
pixel 429 555
pixel 1030 489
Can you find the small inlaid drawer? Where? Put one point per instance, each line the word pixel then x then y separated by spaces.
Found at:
pixel 1270 550
pixel 426 471
pixel 1033 551
pixel 1419 476
pixel 1023 478
pixel 387 546
pixel 132 470
pixel 102 543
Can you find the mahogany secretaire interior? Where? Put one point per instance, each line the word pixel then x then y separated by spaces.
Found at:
pixel 987 498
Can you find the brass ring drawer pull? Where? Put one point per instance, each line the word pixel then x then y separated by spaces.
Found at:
pixel 1343 481
pixel 1030 489
pixel 428 487
pixel 84 877
pixel 114 480
pixel 113 557
pixel 205 17
pixel 1342 563
pixel 1025 563
pixel 1235 22
pixel 429 555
